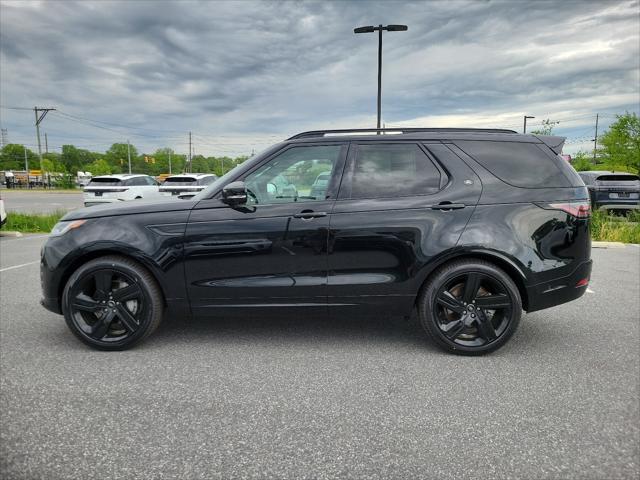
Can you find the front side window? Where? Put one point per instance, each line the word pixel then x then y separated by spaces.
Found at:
pixel 388 170
pixel 292 176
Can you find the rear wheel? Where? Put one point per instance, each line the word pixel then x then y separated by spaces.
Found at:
pixel 112 303
pixel 470 307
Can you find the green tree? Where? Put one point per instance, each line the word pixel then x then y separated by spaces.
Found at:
pixel 74 159
pixel 620 144
pixel 116 156
pixel 99 167
pixel 582 161
pixel 12 157
pixel 546 128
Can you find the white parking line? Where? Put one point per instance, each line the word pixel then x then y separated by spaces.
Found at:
pixel 18 266
pixel 590 291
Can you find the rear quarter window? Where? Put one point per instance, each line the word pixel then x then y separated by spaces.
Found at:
pixel 524 165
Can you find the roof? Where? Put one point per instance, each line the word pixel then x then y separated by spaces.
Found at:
pixel 420 134
pixel 396 131
pixel 122 176
pixel 191 175
pixel 595 173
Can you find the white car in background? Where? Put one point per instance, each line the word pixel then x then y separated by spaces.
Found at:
pixel 119 188
pixel 3 214
pixel 186 183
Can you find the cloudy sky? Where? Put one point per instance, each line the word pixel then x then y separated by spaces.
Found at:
pixel 242 75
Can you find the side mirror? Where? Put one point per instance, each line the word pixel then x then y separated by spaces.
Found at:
pixel 234 194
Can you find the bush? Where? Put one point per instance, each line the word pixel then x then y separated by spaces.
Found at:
pixel 615 229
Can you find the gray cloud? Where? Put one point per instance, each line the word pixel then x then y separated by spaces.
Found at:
pixel 242 74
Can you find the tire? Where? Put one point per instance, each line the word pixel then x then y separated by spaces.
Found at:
pixel 112 303
pixel 453 307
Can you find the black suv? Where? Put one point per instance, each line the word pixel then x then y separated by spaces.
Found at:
pixel 467 226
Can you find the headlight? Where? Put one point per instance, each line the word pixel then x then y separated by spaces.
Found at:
pixel 61 228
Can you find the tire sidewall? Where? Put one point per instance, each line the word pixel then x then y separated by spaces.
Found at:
pixel 429 320
pixel 145 321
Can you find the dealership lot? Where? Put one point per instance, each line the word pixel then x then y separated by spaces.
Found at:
pixel 366 397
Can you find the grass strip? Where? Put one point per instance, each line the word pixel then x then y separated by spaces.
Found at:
pixel 32 223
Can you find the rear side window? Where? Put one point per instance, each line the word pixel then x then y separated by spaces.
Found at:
pixel 518 164
pixel 393 171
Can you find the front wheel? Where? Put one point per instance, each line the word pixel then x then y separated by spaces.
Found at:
pixel 470 307
pixel 112 303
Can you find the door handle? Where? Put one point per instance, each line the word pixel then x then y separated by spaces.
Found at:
pixel 309 214
pixel 447 206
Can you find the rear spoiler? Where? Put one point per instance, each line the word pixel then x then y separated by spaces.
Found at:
pixel 553 142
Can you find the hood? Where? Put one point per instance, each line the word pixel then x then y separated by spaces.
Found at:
pixel 130 208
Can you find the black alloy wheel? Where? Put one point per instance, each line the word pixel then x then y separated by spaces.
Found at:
pixel 112 302
pixel 470 307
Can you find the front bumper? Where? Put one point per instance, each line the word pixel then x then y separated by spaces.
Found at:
pixel 559 290
pixel 617 206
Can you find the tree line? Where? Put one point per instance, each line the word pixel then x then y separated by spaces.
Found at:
pixel 618 149
pixel 114 160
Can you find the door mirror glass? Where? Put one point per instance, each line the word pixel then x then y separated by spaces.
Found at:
pixel 235 193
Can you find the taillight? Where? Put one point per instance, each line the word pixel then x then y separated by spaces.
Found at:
pixel 577 209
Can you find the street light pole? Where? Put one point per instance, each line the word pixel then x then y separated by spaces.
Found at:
pixel 380 29
pixel 524 129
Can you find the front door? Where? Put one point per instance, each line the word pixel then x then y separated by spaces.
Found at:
pixel 269 255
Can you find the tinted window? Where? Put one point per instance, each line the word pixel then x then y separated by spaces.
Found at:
pixel 519 164
pixel 289 177
pixel 103 182
pixel 392 171
pixel 617 179
pixel 176 181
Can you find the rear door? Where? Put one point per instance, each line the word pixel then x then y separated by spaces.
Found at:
pixel 399 205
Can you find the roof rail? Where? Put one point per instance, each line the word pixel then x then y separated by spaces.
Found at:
pixel 322 133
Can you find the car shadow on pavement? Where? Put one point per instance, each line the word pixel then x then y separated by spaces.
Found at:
pixel 295 331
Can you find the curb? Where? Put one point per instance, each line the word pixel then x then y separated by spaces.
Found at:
pixel 607 245
pixel 10 234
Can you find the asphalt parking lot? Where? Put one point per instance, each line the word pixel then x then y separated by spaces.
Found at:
pixel 361 398
pixel 38 201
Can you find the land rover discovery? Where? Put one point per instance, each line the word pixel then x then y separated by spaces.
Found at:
pixel 468 227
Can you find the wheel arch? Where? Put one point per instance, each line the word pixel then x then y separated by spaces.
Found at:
pixel 501 261
pixel 104 252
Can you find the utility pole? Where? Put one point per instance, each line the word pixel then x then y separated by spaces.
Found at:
pixel 189 163
pixel 39 118
pixel 46 143
pixel 595 139
pixel 129 155
pixel 169 162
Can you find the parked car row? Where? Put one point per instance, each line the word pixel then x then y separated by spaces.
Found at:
pixel 124 187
